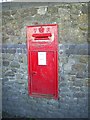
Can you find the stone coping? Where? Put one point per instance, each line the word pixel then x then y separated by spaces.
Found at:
pixel 82 49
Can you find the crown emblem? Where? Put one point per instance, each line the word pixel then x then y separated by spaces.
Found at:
pixel 41 29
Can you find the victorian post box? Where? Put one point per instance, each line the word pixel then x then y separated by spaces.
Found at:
pixel 42 47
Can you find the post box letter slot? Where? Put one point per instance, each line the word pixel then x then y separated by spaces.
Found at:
pixel 44 36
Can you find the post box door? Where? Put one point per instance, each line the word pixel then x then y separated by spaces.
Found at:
pixel 43 73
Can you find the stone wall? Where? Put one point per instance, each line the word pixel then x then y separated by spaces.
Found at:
pixel 73 40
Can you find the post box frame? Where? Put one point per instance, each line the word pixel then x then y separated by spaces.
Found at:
pixel 33 46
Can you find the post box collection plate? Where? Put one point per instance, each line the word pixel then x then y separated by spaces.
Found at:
pixel 42 47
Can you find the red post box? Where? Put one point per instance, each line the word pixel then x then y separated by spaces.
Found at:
pixel 42 47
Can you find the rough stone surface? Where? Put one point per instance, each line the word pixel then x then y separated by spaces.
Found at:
pixel 9 73
pixel 72 20
pixel 5 63
pixel 14 64
pixel 42 10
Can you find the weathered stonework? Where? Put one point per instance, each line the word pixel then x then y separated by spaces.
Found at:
pixel 72 20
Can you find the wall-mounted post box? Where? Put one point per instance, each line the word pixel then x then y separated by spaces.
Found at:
pixel 42 47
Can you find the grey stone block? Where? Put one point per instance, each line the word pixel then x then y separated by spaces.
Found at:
pixel 3 51
pixel 14 70
pixel 9 73
pixel 5 63
pixel 25 51
pixel 77 49
pixel 75 88
pixel 19 50
pixel 19 76
pixel 12 51
pixel 5 56
pixel 4 80
pixel 64 84
pixel 11 58
pixel 80 75
pixel 15 64
pixel 78 83
pixel 68 67
pixel 64 89
pixel 79 94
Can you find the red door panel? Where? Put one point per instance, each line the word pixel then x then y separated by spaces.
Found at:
pixel 43 76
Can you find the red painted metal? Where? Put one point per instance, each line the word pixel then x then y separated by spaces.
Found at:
pixel 42 46
pixel 44 36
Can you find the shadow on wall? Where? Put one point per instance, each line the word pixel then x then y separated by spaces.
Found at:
pixel 6 116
